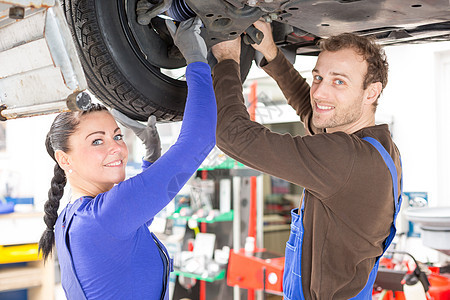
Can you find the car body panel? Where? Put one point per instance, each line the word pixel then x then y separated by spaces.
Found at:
pixel 40 72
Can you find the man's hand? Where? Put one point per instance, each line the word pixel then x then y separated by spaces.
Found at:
pixel 188 40
pixel 267 46
pixel 227 50
pixel 147 134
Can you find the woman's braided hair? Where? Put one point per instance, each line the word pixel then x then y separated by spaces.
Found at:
pixel 64 125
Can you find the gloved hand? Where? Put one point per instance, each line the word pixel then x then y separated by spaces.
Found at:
pixel 147 134
pixel 188 40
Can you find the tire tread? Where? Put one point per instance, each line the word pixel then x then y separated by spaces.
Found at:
pixel 105 80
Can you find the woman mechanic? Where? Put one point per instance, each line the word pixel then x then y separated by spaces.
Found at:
pixel 104 247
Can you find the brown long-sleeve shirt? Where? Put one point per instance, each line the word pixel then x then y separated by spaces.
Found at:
pixel 349 204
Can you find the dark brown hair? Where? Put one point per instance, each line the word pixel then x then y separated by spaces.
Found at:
pixel 64 125
pixel 377 65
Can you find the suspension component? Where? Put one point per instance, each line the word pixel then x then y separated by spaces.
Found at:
pixel 180 11
pixel 146 10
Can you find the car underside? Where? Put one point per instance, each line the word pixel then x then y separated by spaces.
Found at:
pixel 131 63
pixel 297 26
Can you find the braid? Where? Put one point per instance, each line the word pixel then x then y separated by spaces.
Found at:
pixel 51 211
pixel 64 125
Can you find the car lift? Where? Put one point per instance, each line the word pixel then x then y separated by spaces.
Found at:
pixel 40 71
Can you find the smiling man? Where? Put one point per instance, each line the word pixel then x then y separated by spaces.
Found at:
pixel 349 167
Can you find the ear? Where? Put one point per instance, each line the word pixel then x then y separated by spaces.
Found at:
pixel 63 160
pixel 372 92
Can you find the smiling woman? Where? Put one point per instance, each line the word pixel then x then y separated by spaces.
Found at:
pixel 104 246
pixel 106 212
pixel 97 155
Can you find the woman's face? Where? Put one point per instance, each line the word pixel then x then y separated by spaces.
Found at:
pixel 98 155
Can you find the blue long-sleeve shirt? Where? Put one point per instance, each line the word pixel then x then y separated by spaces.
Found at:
pixel 114 254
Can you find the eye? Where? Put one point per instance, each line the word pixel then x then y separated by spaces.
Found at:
pixel 118 137
pixel 339 82
pixel 97 142
pixel 317 78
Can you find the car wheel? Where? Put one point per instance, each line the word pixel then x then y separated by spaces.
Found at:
pixel 133 68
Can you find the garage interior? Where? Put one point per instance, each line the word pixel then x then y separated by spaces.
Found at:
pixel 229 216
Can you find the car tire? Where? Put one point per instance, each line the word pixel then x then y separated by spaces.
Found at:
pixel 118 74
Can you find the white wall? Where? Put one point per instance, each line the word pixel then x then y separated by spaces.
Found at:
pixel 25 163
pixel 411 98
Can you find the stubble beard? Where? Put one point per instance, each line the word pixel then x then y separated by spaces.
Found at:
pixel 337 119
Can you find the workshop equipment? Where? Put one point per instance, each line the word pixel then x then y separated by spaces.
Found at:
pixel 40 71
pixel 424 282
pixel 19 253
pixel 21 268
pixel 259 270
pixel 6 207
pixel 434 223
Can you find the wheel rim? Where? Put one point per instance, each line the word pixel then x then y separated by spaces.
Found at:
pixel 152 44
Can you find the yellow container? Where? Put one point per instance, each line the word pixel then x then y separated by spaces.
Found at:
pixel 19 253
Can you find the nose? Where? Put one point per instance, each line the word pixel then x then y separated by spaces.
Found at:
pixel 320 91
pixel 115 147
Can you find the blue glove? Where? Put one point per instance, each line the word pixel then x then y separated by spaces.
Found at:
pixel 147 134
pixel 188 40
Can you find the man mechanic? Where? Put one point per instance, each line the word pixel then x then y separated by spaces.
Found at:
pixel 349 167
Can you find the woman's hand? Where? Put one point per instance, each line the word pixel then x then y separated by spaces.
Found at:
pixel 188 40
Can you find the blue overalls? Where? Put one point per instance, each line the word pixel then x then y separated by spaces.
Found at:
pixel 69 279
pixel 292 277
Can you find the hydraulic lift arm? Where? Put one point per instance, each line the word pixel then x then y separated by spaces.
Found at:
pixel 40 72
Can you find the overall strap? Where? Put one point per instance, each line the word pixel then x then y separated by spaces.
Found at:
pixel 303 199
pixel 168 266
pixel 72 209
pixel 398 197
pixel 366 292
pixel 392 169
pixel 72 285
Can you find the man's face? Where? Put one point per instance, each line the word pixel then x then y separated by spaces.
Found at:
pixel 337 95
